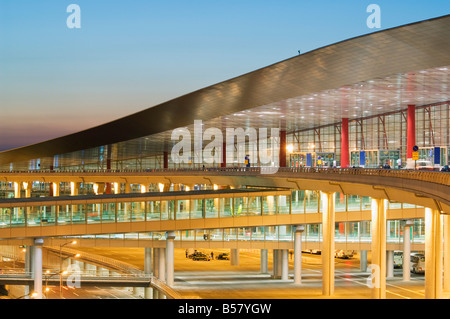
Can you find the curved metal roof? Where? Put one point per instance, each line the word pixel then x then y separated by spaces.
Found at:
pixel 418 46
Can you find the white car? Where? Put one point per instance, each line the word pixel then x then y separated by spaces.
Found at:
pixel 417 263
pixel 344 254
pixel 398 259
pixel 426 165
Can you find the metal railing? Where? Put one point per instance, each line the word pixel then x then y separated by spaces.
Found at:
pixel 421 175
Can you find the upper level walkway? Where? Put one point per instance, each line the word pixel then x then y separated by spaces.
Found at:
pixel 425 188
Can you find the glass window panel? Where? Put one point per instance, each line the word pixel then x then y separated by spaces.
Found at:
pixel 64 215
pixel 18 216
pixel 230 234
pixel 312 201
pixel 93 213
pixel 123 212
pixel 138 211
pixel 5 217
pixel 109 213
pixel 183 207
pixel 285 233
pixel 298 202
pixel 226 207
pixel 212 207
pixel 340 202
pixel 78 214
pixel 153 210
pixel 254 205
pixel 240 206
pixel 283 204
pixel 198 208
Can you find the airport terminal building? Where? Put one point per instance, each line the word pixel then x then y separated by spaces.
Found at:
pixel 362 133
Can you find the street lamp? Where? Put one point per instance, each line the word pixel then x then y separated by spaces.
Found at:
pixel 60 265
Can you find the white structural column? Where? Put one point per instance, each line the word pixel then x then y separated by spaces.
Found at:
pixel 37 264
pixel 148 291
pixel 328 229
pixel 406 263
pixel 162 264
pixel 298 254
pixel 446 229
pixel 234 257
pixel 170 236
pixel 433 254
pixel 379 248
pixel 264 261
pixel 363 260
pixel 284 264
pixel 390 264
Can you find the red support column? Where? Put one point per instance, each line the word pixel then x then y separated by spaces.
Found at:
pixel 411 131
pixel 166 160
pixel 282 148
pixel 108 167
pixel 224 155
pixel 345 152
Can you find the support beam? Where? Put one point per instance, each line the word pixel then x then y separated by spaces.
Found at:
pixel 170 236
pixel 446 228
pixel 406 263
pixel 264 261
pixel 284 264
pixel 37 263
pixel 379 248
pixel 328 229
pixel 298 254
pixel 433 254
pixel 234 257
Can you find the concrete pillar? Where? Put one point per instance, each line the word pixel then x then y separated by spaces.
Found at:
pixel 390 264
pixel 170 258
pixel 162 264
pixel 363 260
pixel 234 257
pixel 379 248
pixel 284 264
pixel 37 263
pixel 328 229
pixel 29 268
pixel 298 254
pixel 433 254
pixel 55 188
pixel 446 228
pixel 148 291
pixel 406 263
pixel 276 263
pixel 264 261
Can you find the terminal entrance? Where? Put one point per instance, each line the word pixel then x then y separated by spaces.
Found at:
pixel 435 155
pixel 319 159
pixel 375 158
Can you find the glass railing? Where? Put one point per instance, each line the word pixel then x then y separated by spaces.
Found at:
pixel 139 210
pixel 346 232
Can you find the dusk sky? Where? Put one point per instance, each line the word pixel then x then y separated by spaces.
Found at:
pixel 131 55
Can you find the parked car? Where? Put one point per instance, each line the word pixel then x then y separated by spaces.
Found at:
pixel 201 256
pixel 425 165
pixel 417 263
pixel 398 259
pixel 224 256
pixel 344 254
pixel 445 169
